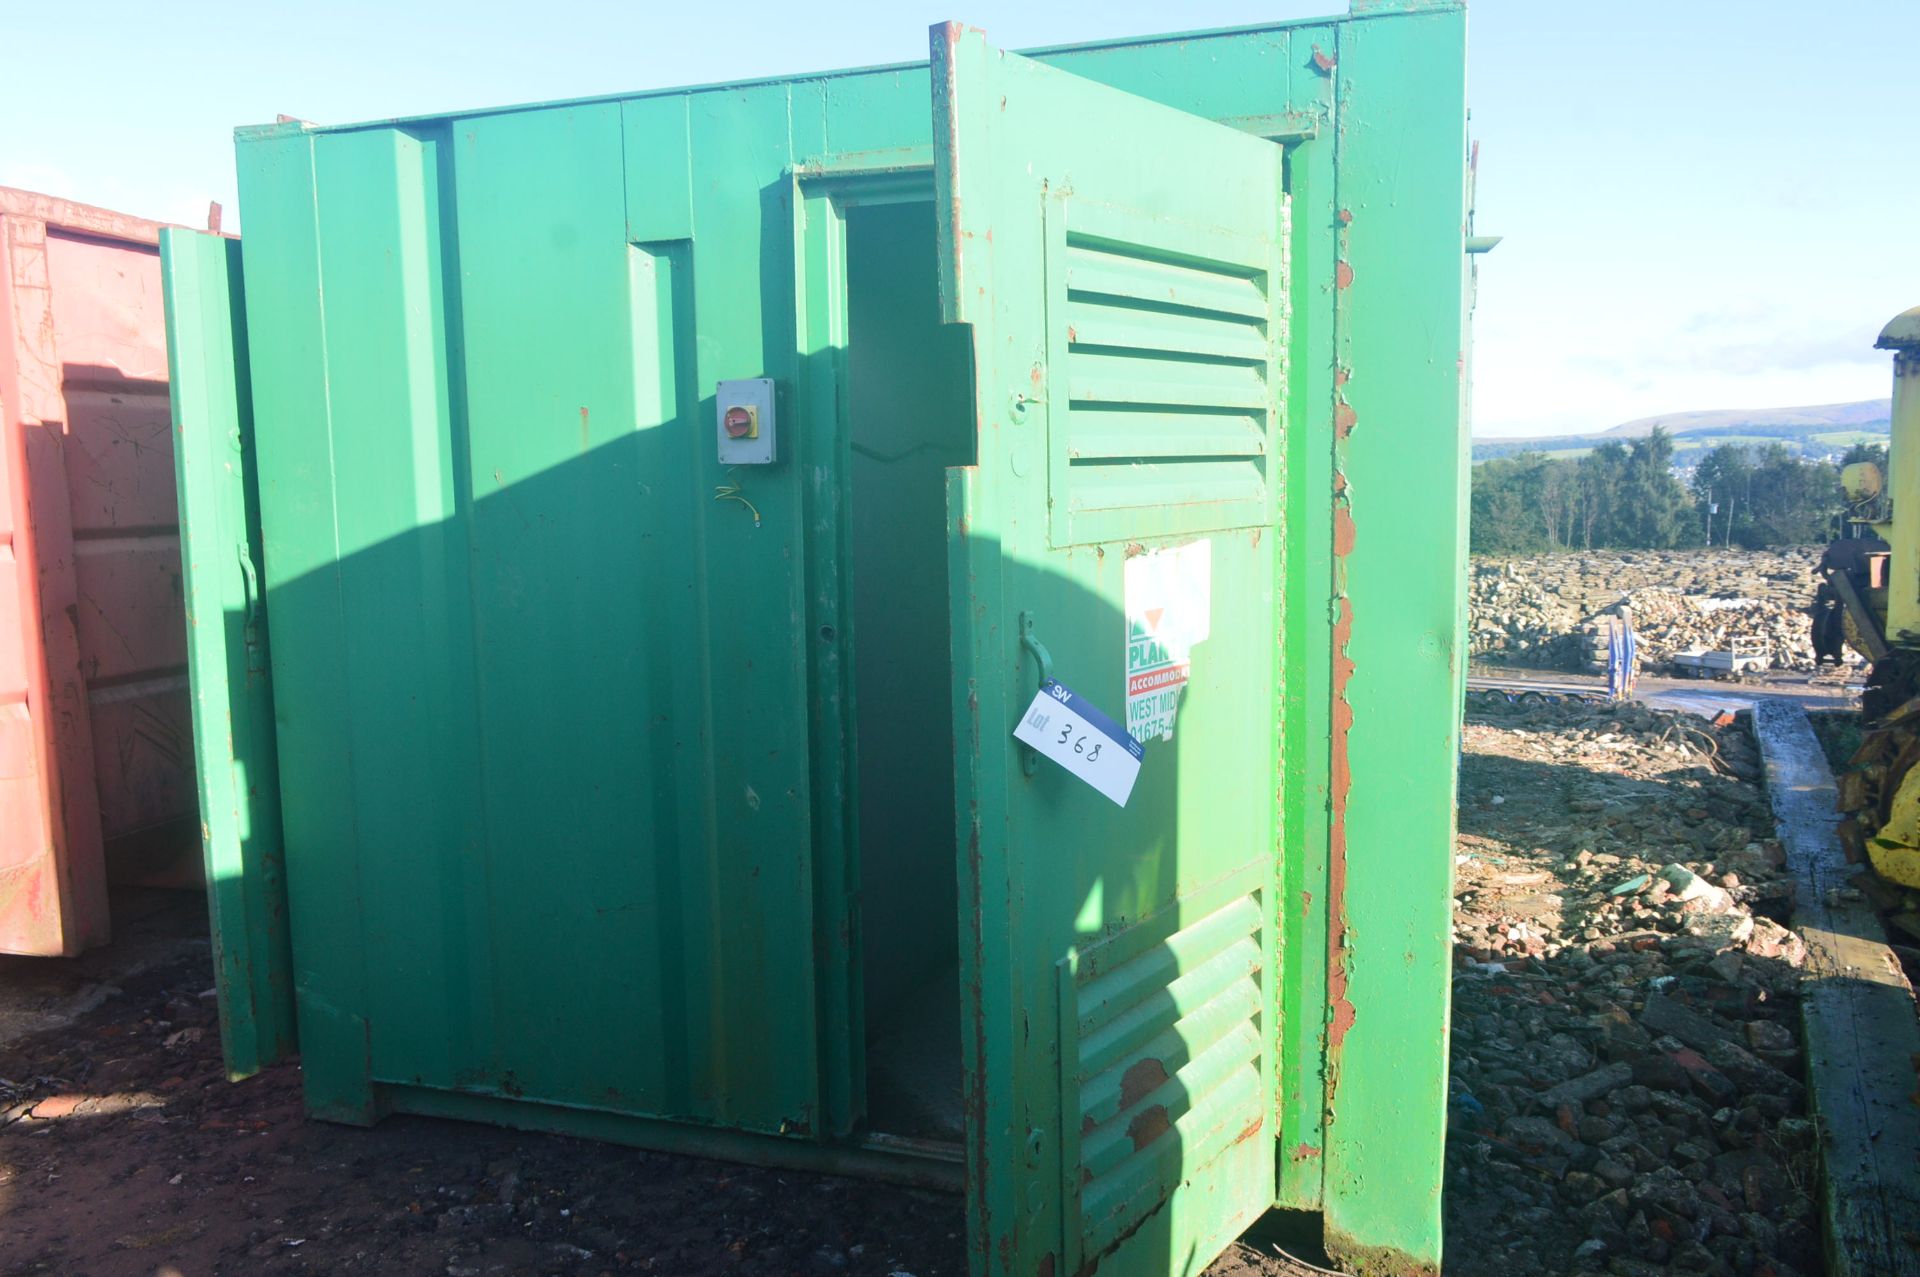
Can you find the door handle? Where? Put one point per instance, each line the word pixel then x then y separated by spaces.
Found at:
pixel 1030 757
pixel 249 583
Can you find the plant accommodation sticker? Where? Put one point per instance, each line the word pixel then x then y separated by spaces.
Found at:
pixel 1169 600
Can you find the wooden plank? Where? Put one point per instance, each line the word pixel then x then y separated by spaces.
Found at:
pixel 1857 1012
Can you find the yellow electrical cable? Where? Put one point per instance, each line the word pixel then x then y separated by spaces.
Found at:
pixel 731 492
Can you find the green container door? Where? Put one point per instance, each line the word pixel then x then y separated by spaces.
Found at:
pixel 233 750
pixel 1121 265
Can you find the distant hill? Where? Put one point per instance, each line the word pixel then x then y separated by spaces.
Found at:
pixel 1814 431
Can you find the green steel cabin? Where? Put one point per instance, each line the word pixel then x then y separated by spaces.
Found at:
pixel 623 537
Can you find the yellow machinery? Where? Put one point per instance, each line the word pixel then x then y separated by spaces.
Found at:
pixel 1876 594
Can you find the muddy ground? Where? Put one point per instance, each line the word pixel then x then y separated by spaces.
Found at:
pixel 1625 1094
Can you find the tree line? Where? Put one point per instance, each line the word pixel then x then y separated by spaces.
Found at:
pixel 1798 439
pixel 1626 496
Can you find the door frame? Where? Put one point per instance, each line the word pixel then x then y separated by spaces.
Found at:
pixel 820 196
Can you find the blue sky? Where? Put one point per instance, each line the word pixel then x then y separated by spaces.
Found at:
pixel 1706 203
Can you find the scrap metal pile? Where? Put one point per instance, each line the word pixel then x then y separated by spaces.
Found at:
pixel 1625 1092
pixel 1530 611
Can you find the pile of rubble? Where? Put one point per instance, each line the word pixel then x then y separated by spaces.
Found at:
pixel 1528 611
pixel 1667 622
pixel 1625 1095
pixel 1513 616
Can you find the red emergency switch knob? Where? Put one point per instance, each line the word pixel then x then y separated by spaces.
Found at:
pixel 741 422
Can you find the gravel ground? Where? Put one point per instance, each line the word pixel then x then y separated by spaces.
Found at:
pixel 1626 1093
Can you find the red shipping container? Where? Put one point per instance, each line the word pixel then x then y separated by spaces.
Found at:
pixel 95 732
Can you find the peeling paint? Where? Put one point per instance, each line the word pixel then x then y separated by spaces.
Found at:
pixel 1341 1012
pixel 1147 1126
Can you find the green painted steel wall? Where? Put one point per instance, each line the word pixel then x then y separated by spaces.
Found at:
pixel 235 763
pixel 1398 671
pixel 563 738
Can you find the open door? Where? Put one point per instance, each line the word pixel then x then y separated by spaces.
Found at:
pixel 1122 267
pixel 233 747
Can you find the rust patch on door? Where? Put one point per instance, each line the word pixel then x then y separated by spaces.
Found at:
pixel 1140 1081
pixel 1341 774
pixel 1147 1126
pixel 1342 275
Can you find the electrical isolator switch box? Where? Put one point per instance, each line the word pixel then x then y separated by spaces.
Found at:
pixel 746 430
